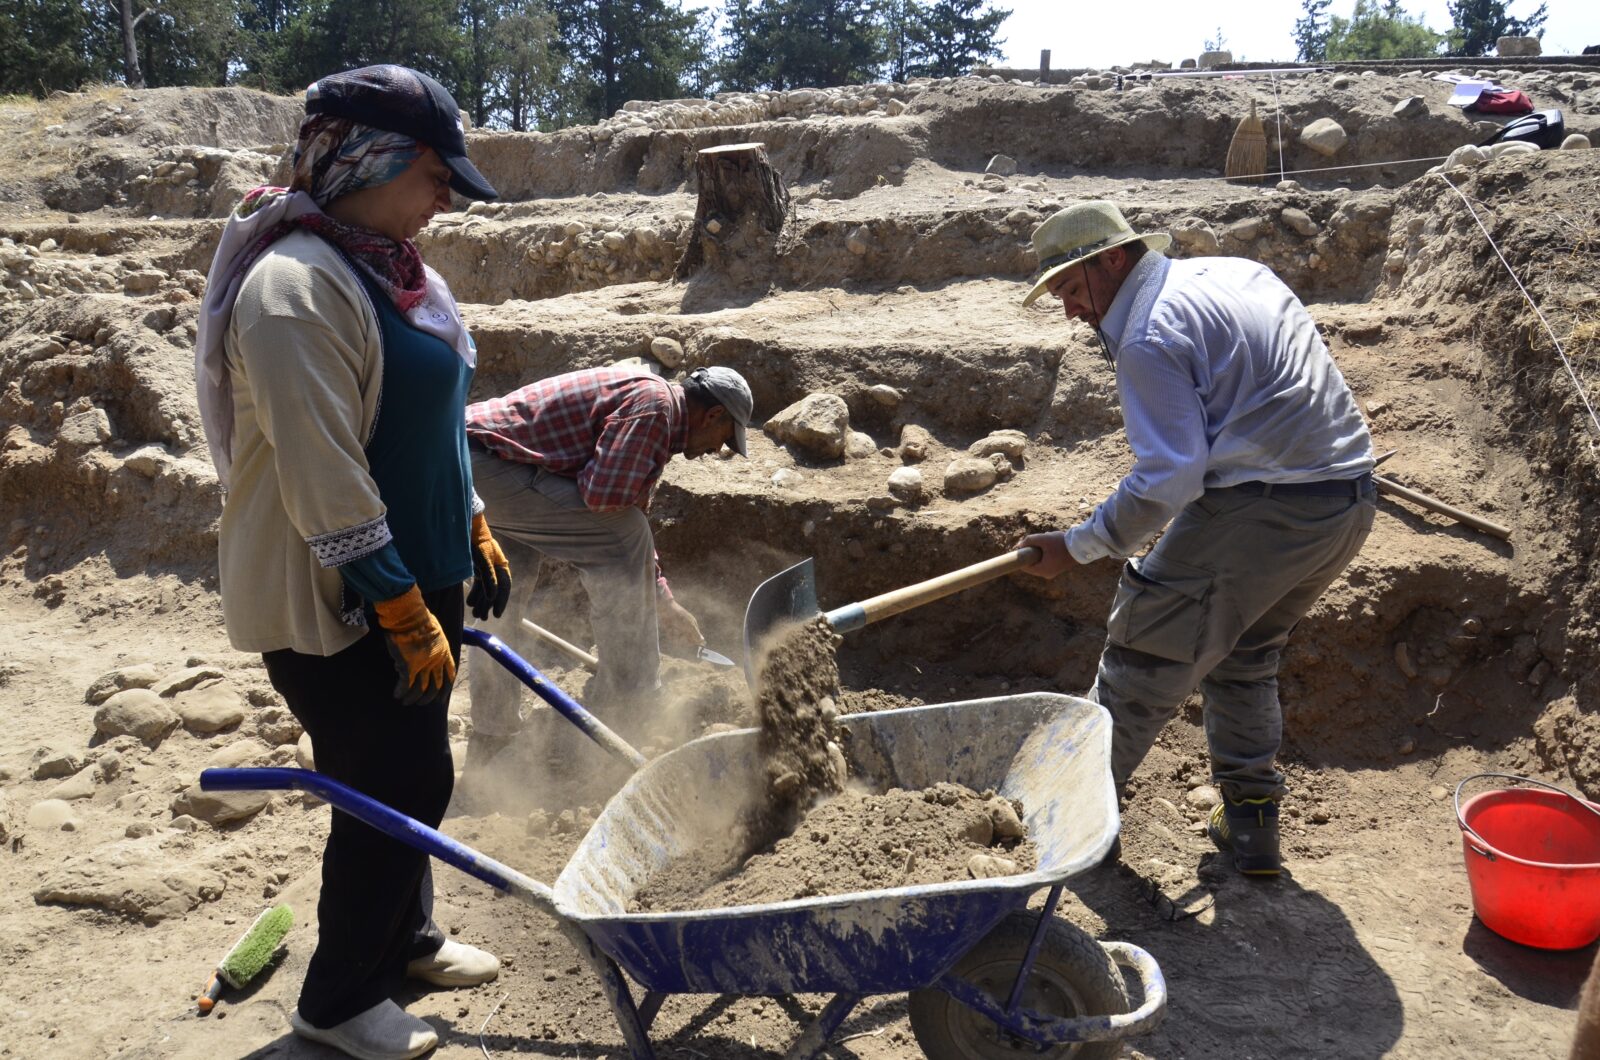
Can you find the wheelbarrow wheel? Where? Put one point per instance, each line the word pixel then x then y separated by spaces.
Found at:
pixel 1072 976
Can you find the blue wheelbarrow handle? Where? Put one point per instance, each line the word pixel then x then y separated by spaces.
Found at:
pixel 592 726
pixel 390 822
pixel 1050 1030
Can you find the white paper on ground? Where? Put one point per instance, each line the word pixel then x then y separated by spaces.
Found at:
pixel 1467 92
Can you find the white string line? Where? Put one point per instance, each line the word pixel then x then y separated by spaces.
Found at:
pixel 1331 169
pixel 1560 352
pixel 481 1043
pixel 1278 103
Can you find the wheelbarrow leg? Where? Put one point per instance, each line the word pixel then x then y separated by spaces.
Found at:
pixel 1033 948
pixel 649 1007
pixel 629 1018
pixel 815 1037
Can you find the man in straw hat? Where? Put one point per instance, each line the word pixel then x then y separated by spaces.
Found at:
pixel 566 468
pixel 1251 451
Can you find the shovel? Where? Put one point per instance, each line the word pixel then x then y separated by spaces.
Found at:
pixel 791 596
pixel 589 662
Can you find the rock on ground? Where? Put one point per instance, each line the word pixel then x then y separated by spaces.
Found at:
pixel 1324 136
pixel 915 442
pixel 107 685
pixel 816 424
pixel 969 474
pixel 135 878
pixel 219 807
pixel 136 712
pixel 1011 444
pixel 210 709
pixel 906 483
pixel 49 815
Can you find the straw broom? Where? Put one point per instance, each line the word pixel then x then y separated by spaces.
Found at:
pixel 1247 152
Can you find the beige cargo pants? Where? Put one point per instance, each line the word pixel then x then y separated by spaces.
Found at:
pixel 614 553
pixel 1213 605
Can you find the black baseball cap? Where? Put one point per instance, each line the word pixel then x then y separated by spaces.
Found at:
pixel 399 99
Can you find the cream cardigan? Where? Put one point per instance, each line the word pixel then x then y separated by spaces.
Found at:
pixel 305 352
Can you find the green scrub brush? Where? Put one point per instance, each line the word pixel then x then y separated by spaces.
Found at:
pixel 249 955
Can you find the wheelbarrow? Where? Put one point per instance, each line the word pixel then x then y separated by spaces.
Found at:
pixel 985 975
pixel 790 596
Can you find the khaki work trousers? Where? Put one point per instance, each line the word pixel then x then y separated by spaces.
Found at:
pixel 614 553
pixel 1213 605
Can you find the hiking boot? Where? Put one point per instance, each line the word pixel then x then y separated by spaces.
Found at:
pixel 1248 829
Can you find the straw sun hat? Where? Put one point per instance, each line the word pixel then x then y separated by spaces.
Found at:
pixel 1080 232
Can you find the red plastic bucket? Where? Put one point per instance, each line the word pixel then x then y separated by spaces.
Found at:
pixel 1533 860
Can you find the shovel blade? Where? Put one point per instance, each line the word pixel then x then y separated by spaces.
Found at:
pixel 787 597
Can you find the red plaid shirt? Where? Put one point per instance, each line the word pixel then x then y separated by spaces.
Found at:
pixel 611 429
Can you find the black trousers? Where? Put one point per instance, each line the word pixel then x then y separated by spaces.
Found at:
pixel 375 913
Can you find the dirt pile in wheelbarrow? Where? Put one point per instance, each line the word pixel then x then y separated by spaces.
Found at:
pixel 857 841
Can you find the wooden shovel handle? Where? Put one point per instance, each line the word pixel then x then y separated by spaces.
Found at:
pixel 1422 500
pixel 589 661
pixel 854 616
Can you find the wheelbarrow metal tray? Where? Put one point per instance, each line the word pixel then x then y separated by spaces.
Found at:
pixel 1050 751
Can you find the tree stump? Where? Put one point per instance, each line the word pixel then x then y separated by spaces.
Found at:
pixel 743 206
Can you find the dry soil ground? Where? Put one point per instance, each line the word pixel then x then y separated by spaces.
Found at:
pixel 1441 653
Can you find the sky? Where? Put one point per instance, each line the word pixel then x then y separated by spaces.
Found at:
pixel 1102 35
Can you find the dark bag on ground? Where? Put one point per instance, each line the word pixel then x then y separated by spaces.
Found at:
pixel 1542 128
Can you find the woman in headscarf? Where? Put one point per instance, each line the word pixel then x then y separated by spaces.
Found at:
pixel 332 368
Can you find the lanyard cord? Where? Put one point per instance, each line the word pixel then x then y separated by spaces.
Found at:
pixel 1104 348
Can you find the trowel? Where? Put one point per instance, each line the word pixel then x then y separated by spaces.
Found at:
pixel 791 596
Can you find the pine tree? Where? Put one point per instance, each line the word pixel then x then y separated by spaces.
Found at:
pixel 189 42
pixel 738 64
pixel 525 69
pixel 631 49
pixel 265 44
pixel 902 52
pixel 57 44
pixel 325 36
pixel 953 35
pixel 817 42
pixel 1478 25
pixel 1372 33
pixel 1311 32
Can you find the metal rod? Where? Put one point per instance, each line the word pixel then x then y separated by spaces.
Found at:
pixel 1287 71
pixel 815 1037
pixel 570 708
pixel 391 822
pixel 615 987
pixel 1033 949
pixel 649 1007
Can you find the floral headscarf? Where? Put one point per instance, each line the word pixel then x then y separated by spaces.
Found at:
pixel 333 157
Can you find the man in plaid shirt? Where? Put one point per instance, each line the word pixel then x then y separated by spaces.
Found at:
pixel 567 466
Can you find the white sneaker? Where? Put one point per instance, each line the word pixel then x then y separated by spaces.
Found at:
pixel 383 1032
pixel 455 964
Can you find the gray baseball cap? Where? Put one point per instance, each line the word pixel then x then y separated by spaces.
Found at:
pixel 733 394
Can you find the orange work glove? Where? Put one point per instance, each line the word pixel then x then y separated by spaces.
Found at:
pixel 491 574
pixel 418 647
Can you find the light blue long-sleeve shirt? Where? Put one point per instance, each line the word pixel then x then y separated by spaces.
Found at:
pixel 1223 379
